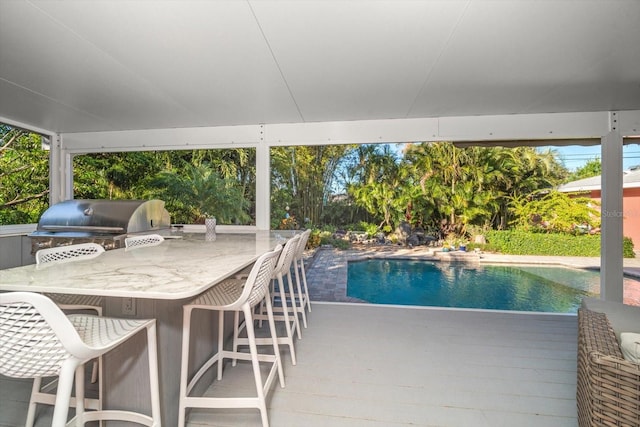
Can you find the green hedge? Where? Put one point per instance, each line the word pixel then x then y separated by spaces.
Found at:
pixel 525 243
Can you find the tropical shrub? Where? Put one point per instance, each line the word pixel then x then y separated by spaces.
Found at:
pixel 199 192
pixel 554 212
pixel 336 243
pixel 369 228
pixel 627 248
pixel 519 242
pixel 487 247
pixel 314 239
pixel 288 224
pixel 326 238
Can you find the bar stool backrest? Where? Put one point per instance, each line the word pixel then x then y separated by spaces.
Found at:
pixel 35 336
pixel 257 284
pixel 302 244
pixel 68 253
pixel 143 240
pixel 286 257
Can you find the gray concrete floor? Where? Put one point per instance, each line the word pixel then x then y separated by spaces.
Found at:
pixel 364 365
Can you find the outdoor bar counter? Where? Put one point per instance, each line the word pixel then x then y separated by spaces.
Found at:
pixel 159 280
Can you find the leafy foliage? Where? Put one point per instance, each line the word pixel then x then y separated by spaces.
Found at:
pixel 554 212
pixel 229 175
pixel 302 178
pixel 115 175
pixel 24 176
pixel 590 169
pixel 461 187
pixel 517 242
pixel 383 189
pixel 370 229
pixel 199 193
pixel 336 243
pixel 288 224
pixel 314 239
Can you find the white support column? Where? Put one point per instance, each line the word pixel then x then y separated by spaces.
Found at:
pixel 263 183
pixel 611 261
pixel 67 175
pixel 54 178
pixel 59 170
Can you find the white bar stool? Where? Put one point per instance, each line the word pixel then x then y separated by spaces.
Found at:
pixel 302 298
pixel 82 251
pixel 41 394
pixel 67 302
pixel 38 340
pixel 283 312
pixel 68 253
pixel 142 240
pixel 233 295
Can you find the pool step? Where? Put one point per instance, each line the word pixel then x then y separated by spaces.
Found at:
pixel 457 256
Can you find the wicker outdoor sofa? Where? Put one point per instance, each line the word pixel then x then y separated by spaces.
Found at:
pixel 608 386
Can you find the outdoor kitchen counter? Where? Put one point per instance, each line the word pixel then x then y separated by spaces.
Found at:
pixel 151 282
pixel 183 266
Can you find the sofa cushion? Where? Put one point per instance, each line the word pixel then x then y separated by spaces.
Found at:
pixel 630 346
pixel 622 317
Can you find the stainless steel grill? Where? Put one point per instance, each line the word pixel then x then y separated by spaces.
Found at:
pixel 106 222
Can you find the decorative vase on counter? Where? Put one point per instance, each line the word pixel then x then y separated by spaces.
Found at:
pixel 210 227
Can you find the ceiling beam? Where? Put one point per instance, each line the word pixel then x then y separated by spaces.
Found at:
pixel 515 129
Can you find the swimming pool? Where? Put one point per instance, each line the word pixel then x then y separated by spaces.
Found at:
pixel 496 287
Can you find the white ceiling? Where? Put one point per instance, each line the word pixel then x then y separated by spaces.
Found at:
pixel 81 66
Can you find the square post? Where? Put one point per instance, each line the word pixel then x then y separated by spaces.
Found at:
pixel 611 261
pixel 263 183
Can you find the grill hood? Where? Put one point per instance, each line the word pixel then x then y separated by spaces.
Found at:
pixel 106 222
pixel 77 218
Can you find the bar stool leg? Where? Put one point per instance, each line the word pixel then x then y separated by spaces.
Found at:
pixel 154 383
pixel 304 281
pixel 63 395
pixel 287 324
pixel 220 342
pixel 274 338
pixel 294 306
pixel 301 298
pixel 31 413
pixel 253 348
pixel 236 334
pixel 100 369
pixel 184 369
pixel 80 395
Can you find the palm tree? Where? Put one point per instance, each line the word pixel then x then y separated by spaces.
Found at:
pixel 382 184
pixel 474 185
pixel 198 192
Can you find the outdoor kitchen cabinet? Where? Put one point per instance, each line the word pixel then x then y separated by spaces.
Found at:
pixel 15 251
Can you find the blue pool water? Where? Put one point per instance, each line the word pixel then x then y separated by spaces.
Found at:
pixel 497 287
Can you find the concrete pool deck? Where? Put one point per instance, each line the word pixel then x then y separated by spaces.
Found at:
pixel 327 267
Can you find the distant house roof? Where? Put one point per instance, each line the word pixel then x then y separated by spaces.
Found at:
pixel 631 179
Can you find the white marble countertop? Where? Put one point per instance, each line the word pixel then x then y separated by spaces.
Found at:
pixel 183 266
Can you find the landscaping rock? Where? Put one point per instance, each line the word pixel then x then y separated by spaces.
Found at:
pixel 402 233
